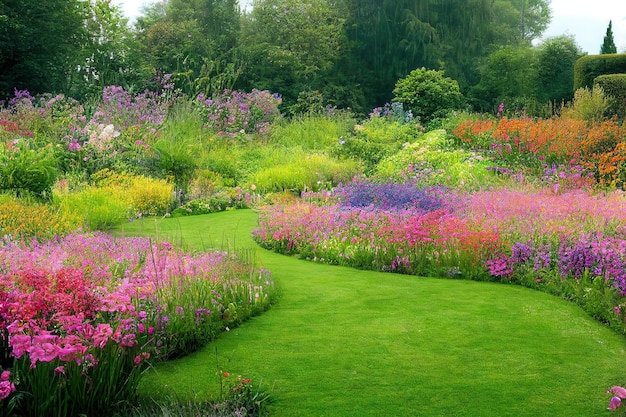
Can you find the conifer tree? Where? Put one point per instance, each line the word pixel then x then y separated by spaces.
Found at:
pixel 608 46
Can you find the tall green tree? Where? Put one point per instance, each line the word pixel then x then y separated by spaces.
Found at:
pixel 109 55
pixel 389 38
pixel 555 68
pixel 40 43
pixel 508 75
pixel 608 46
pixel 289 45
pixel 193 39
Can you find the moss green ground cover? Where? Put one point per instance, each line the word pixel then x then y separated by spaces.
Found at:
pixel 344 342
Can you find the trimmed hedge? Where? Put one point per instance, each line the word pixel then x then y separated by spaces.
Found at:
pixel 587 68
pixel 614 86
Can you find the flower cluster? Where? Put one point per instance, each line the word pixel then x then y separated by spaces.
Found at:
pixel 234 112
pixel 390 196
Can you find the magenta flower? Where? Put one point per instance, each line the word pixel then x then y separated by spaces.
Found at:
pixel 102 334
pixel 6 388
pixel 615 403
pixel 619 391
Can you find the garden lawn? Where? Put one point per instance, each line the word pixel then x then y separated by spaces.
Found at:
pixel 345 342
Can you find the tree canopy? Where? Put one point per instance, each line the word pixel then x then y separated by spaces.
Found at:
pixel 347 53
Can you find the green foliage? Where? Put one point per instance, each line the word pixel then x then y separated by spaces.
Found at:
pixel 108 56
pixel 94 208
pixel 589 105
pixel 428 94
pixel 219 201
pixel 40 43
pixel 308 103
pixel 193 40
pixel 312 132
pixel 555 71
pixel 608 44
pixel 589 67
pixel 614 86
pixel 27 170
pixel 289 45
pixel 374 140
pixel 508 73
pixel 312 172
pixel 431 161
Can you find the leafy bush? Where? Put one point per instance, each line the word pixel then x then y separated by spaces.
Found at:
pixel 428 94
pixel 588 104
pixel 27 170
pixel 219 201
pixel 587 68
pixel 375 139
pixel 150 196
pixel 431 161
pixel 614 86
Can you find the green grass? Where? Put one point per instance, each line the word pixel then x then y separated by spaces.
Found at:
pixel 344 342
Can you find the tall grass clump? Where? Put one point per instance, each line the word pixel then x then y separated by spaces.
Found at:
pixel 311 172
pixel 312 132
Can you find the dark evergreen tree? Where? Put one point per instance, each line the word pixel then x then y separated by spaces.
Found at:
pixel 40 43
pixel 608 46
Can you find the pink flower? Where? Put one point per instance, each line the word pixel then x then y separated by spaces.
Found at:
pixel 615 403
pixel 619 391
pixel 59 370
pixel 6 388
pixel 44 352
pixel 5 375
pixel 20 344
pixel 102 335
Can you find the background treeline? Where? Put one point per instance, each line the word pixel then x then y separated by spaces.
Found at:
pixel 344 53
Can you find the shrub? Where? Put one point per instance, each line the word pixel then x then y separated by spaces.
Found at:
pixel 218 201
pixel 588 104
pixel 428 94
pixel 430 161
pixel 587 68
pixel 26 170
pixel 614 86
pixel 150 196
pixel 381 136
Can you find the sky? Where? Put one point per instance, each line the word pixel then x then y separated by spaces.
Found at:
pixel 586 20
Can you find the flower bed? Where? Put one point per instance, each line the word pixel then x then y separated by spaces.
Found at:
pixel 81 316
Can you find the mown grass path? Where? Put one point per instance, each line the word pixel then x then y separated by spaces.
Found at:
pixel 344 342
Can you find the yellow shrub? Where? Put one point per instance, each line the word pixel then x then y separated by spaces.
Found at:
pixel 145 196
pixel 150 196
